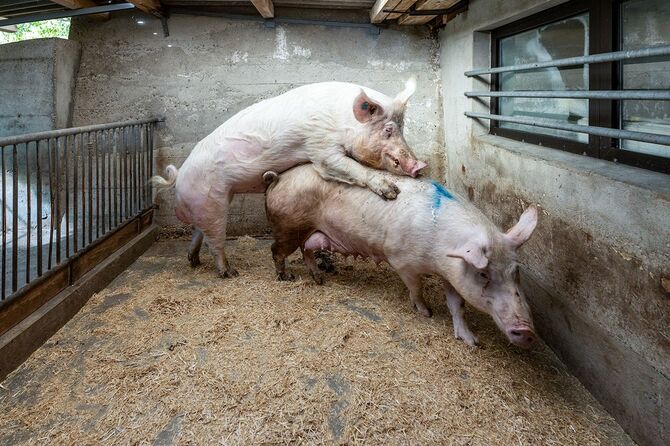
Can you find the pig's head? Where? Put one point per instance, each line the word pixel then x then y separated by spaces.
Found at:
pixel 380 143
pixel 487 276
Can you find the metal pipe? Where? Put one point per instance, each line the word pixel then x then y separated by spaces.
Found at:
pixel 4 221
pixel 18 139
pixel 652 138
pixel 15 217
pixel 38 179
pixel 65 13
pixel 28 213
pixel 579 60
pixel 643 95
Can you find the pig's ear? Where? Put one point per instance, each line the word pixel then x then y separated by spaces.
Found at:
pixel 365 109
pixel 471 253
pixel 400 101
pixel 521 232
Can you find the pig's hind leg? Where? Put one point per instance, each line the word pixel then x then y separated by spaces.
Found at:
pixel 413 283
pixel 194 247
pixel 310 261
pixel 456 308
pixel 213 224
pixel 280 250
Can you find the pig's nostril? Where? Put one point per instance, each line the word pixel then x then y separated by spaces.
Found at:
pixel 515 333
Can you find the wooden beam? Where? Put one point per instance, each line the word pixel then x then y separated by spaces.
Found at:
pixel 377 14
pixel 152 7
pixel 75 4
pixel 265 7
pixel 425 5
pixel 78 4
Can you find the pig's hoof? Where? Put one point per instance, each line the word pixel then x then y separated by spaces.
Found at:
pixel 325 261
pixel 194 260
pixel 230 272
pixel 423 310
pixel 285 277
pixel 468 338
pixel 318 278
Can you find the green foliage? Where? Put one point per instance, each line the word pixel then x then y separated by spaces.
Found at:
pixel 36 30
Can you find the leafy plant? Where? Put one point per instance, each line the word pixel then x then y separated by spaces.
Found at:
pixel 36 30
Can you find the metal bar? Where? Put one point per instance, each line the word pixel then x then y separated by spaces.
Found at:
pixel 653 138
pixel 579 60
pixel 117 177
pixel 126 176
pixel 136 166
pixel 72 130
pixel 75 190
pixel 58 197
pixel 66 13
pixel 84 144
pixel 67 196
pixel 151 159
pixel 145 138
pixel 104 174
pixel 51 201
pixel 89 148
pixel 28 213
pixel 4 222
pixel 15 217
pixel 643 95
pixel 97 183
pixel 108 175
pixel 131 168
pixel 40 211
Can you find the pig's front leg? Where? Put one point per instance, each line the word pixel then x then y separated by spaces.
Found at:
pixel 339 167
pixel 456 307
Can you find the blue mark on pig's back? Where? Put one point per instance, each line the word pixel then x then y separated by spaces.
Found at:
pixel 440 193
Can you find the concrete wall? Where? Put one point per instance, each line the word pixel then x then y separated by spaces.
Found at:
pixel 36 84
pixel 596 266
pixel 215 67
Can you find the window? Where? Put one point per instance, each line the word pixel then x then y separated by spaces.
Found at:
pixel 580 28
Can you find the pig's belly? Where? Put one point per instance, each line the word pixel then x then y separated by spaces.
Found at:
pixel 320 241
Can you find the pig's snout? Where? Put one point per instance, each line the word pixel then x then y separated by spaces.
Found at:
pixel 522 337
pixel 418 166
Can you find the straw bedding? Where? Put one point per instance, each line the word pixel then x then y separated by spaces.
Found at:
pixel 172 355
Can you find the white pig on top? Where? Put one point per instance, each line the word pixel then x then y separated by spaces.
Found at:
pixel 346 130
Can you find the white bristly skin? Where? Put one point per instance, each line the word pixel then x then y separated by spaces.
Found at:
pixel 426 230
pixel 344 129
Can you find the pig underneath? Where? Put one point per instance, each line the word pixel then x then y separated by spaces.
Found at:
pixel 427 230
pixel 345 130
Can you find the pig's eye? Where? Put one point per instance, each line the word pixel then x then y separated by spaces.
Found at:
pixel 396 163
pixel 483 276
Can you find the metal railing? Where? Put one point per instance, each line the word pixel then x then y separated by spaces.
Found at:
pixel 655 95
pixel 64 189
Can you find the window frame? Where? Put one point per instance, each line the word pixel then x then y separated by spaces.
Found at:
pixel 604 36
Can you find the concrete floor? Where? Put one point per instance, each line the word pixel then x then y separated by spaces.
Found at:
pixel 167 354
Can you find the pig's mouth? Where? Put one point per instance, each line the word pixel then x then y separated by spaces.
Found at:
pixel 522 336
pixel 411 168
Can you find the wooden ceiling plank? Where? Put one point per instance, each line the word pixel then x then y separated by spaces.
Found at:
pixel 423 5
pixel 407 19
pixel 377 14
pixel 75 4
pixel 152 7
pixel 78 4
pixel 265 7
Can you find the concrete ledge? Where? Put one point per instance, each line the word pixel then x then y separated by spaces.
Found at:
pixel 635 393
pixel 17 344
